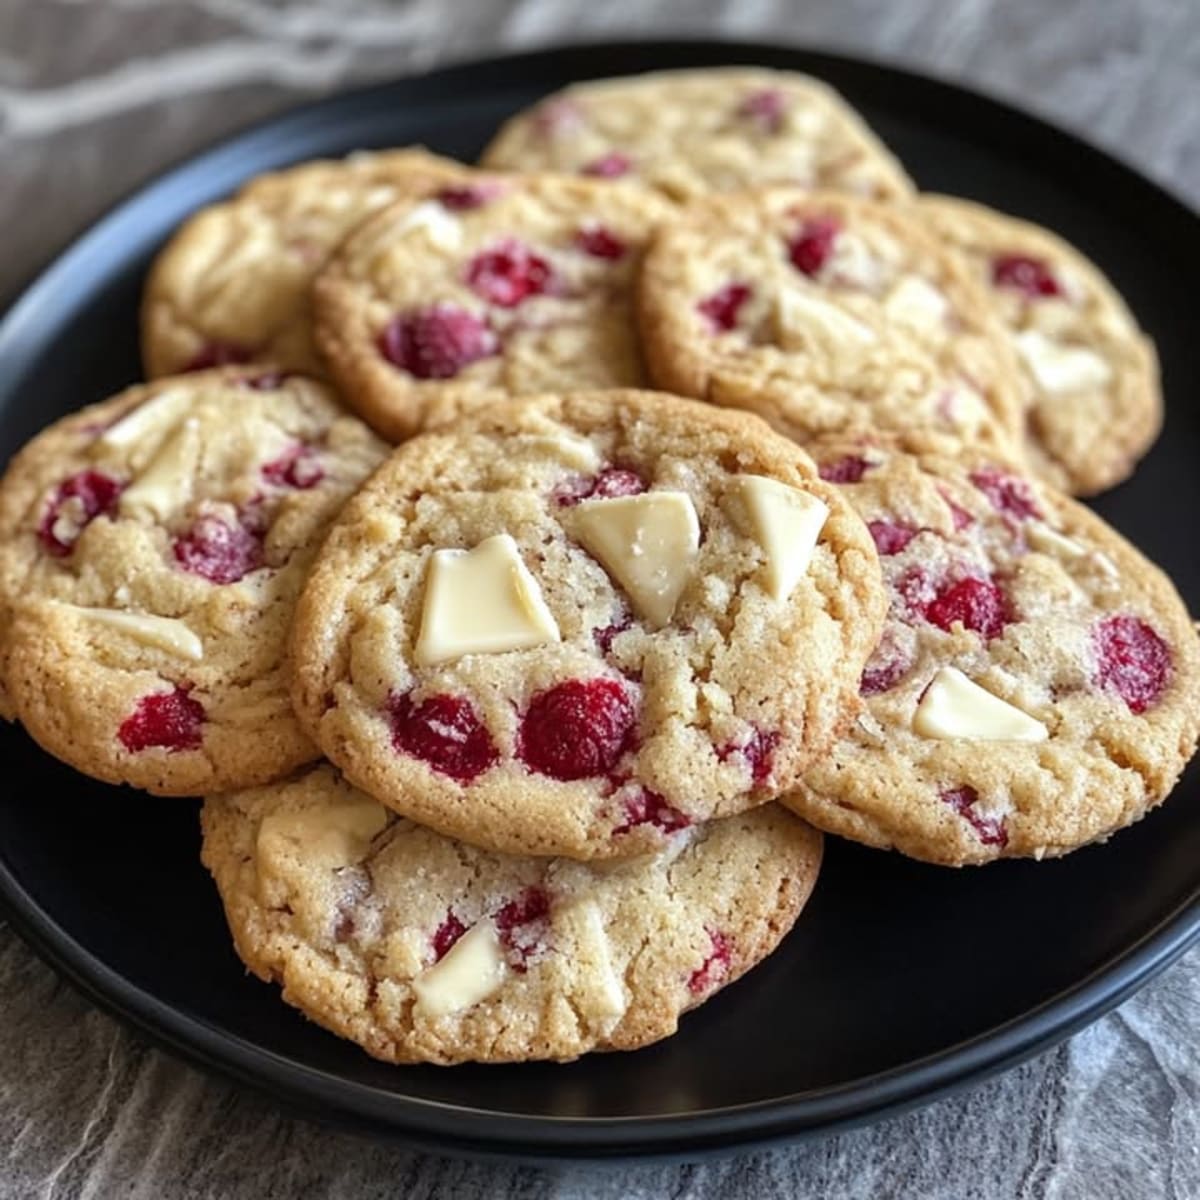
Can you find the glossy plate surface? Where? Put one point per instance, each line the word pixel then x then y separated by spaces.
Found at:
pixel 901 982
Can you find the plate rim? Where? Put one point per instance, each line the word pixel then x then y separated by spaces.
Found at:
pixel 487 1133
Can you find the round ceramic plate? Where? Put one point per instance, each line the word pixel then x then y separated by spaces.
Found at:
pixel 901 982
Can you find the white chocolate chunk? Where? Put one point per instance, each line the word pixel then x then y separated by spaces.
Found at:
pixel 916 303
pixel 852 262
pixel 442 230
pixel 163 633
pixel 603 996
pixel 577 453
pixel 955 707
pixel 471 971
pixel 648 543
pixel 149 422
pixel 1049 541
pixel 481 601
pixel 166 482
pixel 786 522
pixel 805 321
pixel 336 835
pixel 1059 369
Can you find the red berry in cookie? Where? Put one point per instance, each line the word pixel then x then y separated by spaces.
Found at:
pixel 437 342
pixel 976 604
pixel 297 467
pixel 467 196
pixel 1007 493
pixel 765 108
pixel 166 720
pixel 890 536
pixel 609 166
pixel 1132 661
pixel 446 934
pixel 523 925
pixel 1024 273
pixel 715 966
pixel 811 248
pixel 77 502
pixel 219 354
pixel 600 242
pixel 609 483
pixel 649 808
pixel 217 550
pixel 443 731
pixel 849 469
pixel 509 273
pixel 722 307
pixel 578 729
pixel 990 830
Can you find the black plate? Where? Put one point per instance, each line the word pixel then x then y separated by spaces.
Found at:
pixel 901 982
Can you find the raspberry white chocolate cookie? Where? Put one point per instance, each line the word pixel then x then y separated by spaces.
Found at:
pixel 526 290
pixel 571 625
pixel 688 133
pixel 423 949
pixel 825 314
pixel 151 551
pixel 1037 686
pixel 1094 405
pixel 232 285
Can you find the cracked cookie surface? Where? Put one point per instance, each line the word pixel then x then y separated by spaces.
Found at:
pixel 423 949
pixel 822 314
pixel 527 288
pixel 571 625
pixel 688 133
pixel 1037 685
pixel 1093 402
pixel 231 286
pixel 152 548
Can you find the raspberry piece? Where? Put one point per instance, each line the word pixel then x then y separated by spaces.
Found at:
pixel 989 830
pixel 219 354
pixel 437 342
pixel 508 273
pixel 607 485
pixel 297 467
pixel 600 242
pixel 523 925
pixel 1026 274
pixel 443 731
pixel 171 720
pixel 447 933
pixel 884 671
pixel 612 165
pixel 76 503
pixel 1131 660
pixel 649 808
pixel 810 249
pixel 765 108
pixel 850 469
pixel 464 197
pixel 722 307
pixel 268 381
pixel 890 536
pixel 758 752
pixel 604 635
pixel 978 604
pixel 218 551
pixel 958 514
pixel 714 969
pixel 578 729
pixel 1007 493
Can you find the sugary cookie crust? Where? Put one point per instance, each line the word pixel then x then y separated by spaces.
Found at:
pixel 361 916
pixel 1097 407
pixel 1039 603
pixel 525 289
pixel 824 314
pixel 151 549
pixel 689 133
pixel 232 284
pixel 713 712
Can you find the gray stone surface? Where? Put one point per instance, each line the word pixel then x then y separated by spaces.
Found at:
pixel 98 95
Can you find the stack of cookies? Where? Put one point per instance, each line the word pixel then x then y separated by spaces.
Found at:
pixel 520 692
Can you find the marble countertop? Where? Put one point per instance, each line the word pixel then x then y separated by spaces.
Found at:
pixel 97 96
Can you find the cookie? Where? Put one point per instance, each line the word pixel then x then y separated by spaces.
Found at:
pixel 688 133
pixel 573 624
pixel 1037 686
pixel 151 550
pixel 825 314
pixel 423 949
pixel 526 290
pixel 232 285
pixel 1093 401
